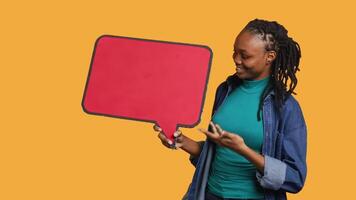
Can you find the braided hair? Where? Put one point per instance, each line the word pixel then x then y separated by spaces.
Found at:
pixel 283 69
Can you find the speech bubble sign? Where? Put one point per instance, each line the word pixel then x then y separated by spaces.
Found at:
pixel 148 80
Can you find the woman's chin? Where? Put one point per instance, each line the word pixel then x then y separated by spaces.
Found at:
pixel 240 74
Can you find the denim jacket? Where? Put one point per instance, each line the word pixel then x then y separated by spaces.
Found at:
pixel 284 148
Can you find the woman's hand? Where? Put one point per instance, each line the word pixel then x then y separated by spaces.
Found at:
pixel 236 143
pixel 181 141
pixel 225 138
pixel 178 138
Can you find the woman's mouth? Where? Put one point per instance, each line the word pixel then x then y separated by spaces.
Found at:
pixel 238 69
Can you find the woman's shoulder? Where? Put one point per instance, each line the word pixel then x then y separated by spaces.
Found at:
pixel 291 104
pixel 292 112
pixel 221 87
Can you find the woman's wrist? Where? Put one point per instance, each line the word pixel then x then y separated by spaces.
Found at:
pixel 242 149
pixel 185 143
pixel 190 146
pixel 251 155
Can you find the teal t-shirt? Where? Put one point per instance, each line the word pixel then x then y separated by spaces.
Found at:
pixel 231 175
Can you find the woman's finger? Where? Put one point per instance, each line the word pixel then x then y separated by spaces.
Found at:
pixel 167 143
pixel 213 126
pixel 164 138
pixel 178 137
pixel 225 134
pixel 212 136
pixel 177 133
pixel 226 138
pixel 219 129
pixel 225 142
pixel 157 128
pixel 209 134
pixel 179 145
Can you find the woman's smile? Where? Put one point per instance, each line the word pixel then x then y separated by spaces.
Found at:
pixel 239 69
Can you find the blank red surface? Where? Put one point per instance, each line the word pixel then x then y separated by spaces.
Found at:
pixel 147 80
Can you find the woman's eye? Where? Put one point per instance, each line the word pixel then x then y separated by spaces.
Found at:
pixel 243 56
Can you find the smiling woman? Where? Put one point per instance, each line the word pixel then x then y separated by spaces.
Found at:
pixel 249 156
pixel 252 60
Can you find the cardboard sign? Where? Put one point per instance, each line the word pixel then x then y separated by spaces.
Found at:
pixel 147 80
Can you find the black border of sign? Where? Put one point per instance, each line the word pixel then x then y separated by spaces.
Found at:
pixel 121 117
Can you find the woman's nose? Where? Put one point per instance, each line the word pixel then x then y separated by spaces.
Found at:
pixel 236 58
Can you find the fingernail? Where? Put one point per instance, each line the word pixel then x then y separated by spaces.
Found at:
pixel 170 142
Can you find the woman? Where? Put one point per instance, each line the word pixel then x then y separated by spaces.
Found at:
pixel 256 142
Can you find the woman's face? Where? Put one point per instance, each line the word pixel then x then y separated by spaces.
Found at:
pixel 252 61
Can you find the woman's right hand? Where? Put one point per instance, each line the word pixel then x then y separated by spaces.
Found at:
pixel 178 138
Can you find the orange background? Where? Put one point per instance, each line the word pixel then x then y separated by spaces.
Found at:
pixel 51 149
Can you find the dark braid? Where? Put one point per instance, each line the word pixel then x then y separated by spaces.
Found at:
pixel 286 64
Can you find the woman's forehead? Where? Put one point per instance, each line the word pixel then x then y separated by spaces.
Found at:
pixel 249 42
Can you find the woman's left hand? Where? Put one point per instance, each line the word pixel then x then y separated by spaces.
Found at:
pixel 225 138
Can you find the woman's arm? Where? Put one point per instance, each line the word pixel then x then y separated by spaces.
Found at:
pixel 190 146
pixel 255 158
pixel 288 173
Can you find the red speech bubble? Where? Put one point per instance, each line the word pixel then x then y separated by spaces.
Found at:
pixel 148 80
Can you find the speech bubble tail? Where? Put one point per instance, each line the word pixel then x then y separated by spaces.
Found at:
pixel 168 130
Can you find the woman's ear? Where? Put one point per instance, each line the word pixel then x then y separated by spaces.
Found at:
pixel 271 56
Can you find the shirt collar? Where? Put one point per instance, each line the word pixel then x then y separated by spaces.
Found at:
pixel 233 81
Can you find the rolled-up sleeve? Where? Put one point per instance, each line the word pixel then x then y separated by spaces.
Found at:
pixel 273 175
pixel 289 172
